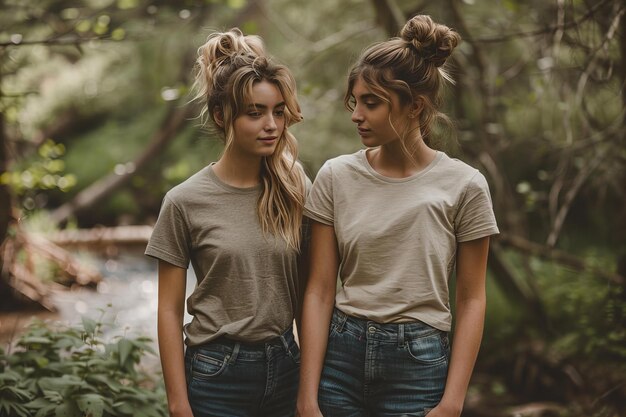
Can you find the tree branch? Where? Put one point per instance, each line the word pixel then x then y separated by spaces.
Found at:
pixel 549 29
pixel 580 179
pixel 173 121
pixel 389 16
pixel 548 253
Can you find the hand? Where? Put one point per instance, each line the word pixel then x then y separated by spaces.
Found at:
pixel 441 410
pixel 308 411
pixel 184 410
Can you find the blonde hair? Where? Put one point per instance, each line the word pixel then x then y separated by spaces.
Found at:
pixel 411 66
pixel 229 64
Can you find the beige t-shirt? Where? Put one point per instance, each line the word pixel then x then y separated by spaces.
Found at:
pixel 397 237
pixel 248 287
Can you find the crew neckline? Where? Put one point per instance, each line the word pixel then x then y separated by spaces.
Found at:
pixel 371 170
pixel 228 187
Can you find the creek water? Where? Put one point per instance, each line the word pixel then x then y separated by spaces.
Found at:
pixel 125 300
pixel 127 293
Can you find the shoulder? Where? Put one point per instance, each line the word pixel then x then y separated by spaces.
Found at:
pixel 456 171
pixel 342 163
pixel 187 190
pixel 457 167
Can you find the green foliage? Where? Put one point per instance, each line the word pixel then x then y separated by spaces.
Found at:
pixel 586 313
pixel 44 173
pixel 73 371
pixel 589 312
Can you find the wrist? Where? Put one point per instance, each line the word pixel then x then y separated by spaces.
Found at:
pixel 176 408
pixel 451 407
pixel 307 402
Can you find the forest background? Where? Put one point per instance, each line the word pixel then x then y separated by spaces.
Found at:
pixel 95 128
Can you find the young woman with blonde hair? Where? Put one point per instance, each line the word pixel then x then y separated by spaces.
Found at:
pixel 238 221
pixel 392 221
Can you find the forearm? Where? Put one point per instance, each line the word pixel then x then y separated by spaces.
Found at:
pixel 468 332
pixel 316 316
pixel 171 351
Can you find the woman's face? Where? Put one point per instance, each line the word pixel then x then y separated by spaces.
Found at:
pixel 375 118
pixel 261 124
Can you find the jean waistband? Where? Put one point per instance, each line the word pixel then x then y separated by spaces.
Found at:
pixel 390 332
pixel 254 350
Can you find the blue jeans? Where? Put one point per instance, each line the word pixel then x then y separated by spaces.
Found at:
pixel 374 369
pixel 231 379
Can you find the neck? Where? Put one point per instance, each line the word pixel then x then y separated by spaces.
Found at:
pixel 240 171
pixel 399 160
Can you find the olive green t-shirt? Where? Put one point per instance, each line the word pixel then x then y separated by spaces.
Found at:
pixel 247 282
pixel 397 237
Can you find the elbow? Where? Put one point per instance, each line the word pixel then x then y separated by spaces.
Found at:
pixel 320 294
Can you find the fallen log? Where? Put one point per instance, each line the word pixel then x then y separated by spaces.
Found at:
pixel 78 272
pixel 121 235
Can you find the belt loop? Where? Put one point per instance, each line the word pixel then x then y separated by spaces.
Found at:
pixel 233 355
pixel 400 335
pixel 285 344
pixel 342 318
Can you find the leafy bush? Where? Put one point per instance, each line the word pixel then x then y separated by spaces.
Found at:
pixel 73 371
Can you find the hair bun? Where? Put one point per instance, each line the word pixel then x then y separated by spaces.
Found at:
pixel 234 42
pixel 222 54
pixel 431 41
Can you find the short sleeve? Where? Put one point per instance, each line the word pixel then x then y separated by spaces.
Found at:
pixel 475 217
pixel 170 238
pixel 319 204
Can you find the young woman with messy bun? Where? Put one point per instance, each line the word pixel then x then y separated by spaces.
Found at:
pixel 238 221
pixel 392 221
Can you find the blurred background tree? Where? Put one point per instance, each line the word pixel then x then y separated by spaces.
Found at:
pixel 95 128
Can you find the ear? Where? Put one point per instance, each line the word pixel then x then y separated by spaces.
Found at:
pixel 416 107
pixel 218 116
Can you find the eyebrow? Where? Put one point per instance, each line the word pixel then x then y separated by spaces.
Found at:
pixel 263 106
pixel 369 96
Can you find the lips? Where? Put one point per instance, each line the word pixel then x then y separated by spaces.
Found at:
pixel 363 131
pixel 268 139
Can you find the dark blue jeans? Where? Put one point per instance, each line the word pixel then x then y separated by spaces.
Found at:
pixel 232 379
pixel 382 370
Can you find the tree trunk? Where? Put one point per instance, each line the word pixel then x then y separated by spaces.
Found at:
pixel 5 193
pixel 389 16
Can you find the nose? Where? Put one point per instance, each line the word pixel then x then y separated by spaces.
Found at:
pixel 270 125
pixel 356 116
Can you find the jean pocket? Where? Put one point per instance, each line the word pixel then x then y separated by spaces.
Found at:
pixel 208 364
pixel 427 350
pixel 294 353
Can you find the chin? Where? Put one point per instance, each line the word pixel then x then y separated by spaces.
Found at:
pixel 369 142
pixel 266 153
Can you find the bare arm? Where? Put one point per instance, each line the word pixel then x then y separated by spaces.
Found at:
pixel 319 300
pixel 303 270
pixel 470 317
pixel 172 280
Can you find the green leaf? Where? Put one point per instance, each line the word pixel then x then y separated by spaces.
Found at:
pixel 33 340
pixel 110 383
pixel 91 404
pixel 42 361
pixel 89 325
pixel 67 409
pixel 125 349
pixel 46 411
pixel 59 384
pixel 38 404
pixel 16 393
pixel 123 407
